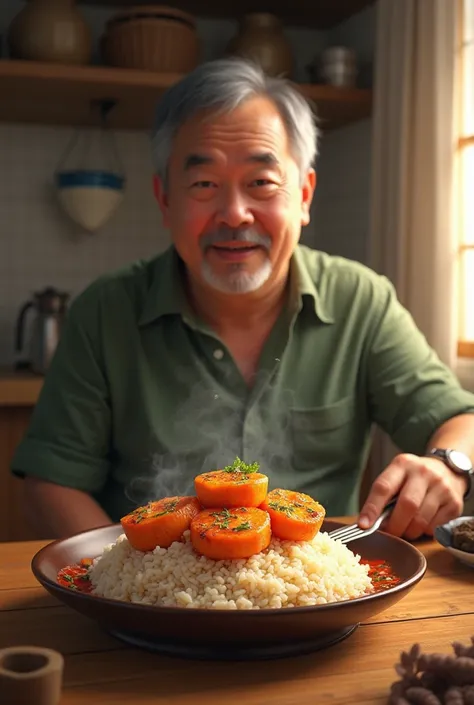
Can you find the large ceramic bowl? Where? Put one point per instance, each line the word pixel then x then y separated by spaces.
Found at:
pixel 239 634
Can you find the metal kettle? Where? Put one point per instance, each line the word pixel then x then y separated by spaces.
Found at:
pixel 50 308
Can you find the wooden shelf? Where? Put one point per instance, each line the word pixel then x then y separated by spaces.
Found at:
pixel 338 107
pixel 319 14
pixel 54 94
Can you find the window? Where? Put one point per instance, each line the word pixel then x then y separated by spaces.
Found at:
pixel 465 179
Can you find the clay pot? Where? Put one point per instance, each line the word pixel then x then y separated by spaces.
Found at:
pixel 261 38
pixel 51 31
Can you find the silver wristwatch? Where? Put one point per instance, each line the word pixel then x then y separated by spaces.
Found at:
pixel 459 463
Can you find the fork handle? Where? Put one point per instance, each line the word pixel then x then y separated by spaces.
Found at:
pixel 389 506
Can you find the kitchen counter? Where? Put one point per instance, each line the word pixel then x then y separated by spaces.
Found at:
pixel 19 388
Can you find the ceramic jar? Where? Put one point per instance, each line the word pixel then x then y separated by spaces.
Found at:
pixel 261 38
pixel 50 31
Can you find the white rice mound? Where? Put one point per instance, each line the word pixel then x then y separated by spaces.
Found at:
pixel 286 574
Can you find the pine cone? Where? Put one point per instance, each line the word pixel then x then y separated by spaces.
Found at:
pixel 458 670
pixel 461 650
pixel 454 696
pixel 435 662
pixel 468 692
pixel 461 672
pixel 397 693
pixel 435 679
pixel 398 700
pixel 422 696
pixel 432 681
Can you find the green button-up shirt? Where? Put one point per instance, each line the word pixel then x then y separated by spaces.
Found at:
pixel 142 396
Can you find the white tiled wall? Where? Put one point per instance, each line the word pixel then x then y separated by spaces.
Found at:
pixel 342 202
pixel 342 199
pixel 39 246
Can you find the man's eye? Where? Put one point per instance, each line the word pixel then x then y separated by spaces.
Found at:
pixel 203 184
pixel 261 182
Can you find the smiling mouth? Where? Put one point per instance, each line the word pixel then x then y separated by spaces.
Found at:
pixel 236 247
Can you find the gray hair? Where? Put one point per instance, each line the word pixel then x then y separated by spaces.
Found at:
pixel 221 86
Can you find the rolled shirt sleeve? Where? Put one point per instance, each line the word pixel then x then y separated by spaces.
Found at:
pixel 411 392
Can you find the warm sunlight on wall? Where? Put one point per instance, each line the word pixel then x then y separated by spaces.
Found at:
pixel 465 180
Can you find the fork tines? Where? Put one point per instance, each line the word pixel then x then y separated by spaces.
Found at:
pixel 348 533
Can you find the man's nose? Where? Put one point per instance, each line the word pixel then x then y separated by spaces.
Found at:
pixel 233 209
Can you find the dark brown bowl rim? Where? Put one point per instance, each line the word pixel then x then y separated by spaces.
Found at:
pixel 231 614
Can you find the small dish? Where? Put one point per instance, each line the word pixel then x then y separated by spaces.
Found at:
pixel 443 534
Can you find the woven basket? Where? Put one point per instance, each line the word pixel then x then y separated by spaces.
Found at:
pixel 151 38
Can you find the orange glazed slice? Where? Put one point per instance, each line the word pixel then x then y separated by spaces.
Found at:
pixel 237 485
pixel 226 534
pixel 159 523
pixel 294 516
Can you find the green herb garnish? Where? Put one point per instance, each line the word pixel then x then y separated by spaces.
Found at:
pixel 144 512
pixel 222 518
pixel 239 466
pixel 70 582
pixel 283 508
pixel 245 526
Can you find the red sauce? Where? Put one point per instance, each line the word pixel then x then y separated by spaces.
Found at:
pixel 76 577
pixel 381 574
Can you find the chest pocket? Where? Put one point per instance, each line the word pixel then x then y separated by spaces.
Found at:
pixel 325 435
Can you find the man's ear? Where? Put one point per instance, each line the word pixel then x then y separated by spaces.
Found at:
pixel 307 193
pixel 162 198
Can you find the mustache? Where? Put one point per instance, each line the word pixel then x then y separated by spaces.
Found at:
pixel 226 234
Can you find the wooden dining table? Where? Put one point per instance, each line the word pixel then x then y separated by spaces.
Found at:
pixel 98 669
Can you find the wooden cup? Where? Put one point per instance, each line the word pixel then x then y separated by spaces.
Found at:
pixel 30 674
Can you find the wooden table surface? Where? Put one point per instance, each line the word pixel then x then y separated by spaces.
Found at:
pixel 358 671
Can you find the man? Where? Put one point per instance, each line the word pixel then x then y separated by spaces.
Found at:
pixel 239 342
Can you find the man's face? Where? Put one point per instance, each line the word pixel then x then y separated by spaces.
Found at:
pixel 234 202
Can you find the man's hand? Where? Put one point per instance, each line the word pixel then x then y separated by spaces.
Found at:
pixel 430 494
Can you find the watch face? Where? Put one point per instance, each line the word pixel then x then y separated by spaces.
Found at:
pixel 460 460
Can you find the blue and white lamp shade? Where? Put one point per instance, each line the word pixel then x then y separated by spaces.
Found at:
pixel 90 197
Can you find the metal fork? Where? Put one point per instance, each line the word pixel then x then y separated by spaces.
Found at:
pixel 353 532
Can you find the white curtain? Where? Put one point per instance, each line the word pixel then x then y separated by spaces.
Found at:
pixel 413 240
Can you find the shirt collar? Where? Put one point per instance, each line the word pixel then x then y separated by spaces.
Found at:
pixel 303 286
pixel 167 296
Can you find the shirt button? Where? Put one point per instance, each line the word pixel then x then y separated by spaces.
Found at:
pixel 218 354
